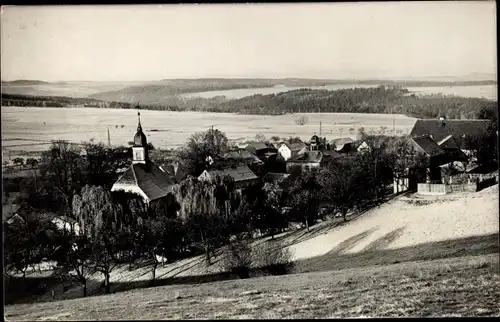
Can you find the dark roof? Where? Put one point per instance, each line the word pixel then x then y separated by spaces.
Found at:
pixel 152 181
pixel 307 157
pixel 242 154
pixel 428 145
pixel 448 142
pixel 241 173
pixel 458 128
pixel 295 146
pixel 332 154
pixel 257 146
pixel 174 170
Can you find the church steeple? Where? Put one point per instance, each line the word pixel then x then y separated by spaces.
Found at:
pixel 140 147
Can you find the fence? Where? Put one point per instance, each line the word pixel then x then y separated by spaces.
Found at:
pixel 433 189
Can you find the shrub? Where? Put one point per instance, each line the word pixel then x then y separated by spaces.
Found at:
pixel 274 258
pixel 238 257
pixel 302 120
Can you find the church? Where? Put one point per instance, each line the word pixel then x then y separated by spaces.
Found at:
pixel 143 177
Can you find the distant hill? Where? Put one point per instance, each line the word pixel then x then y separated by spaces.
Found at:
pixel 24 82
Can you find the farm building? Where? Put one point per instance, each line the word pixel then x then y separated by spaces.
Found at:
pixel 318 144
pixel 464 132
pixel 288 150
pixel 242 175
pixel 244 156
pixel 342 145
pixel 143 177
pixel 65 223
pixel 310 159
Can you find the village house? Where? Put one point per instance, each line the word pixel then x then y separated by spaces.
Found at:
pixel 143 177
pixel 342 145
pixel 288 150
pixel 242 175
pixel 464 132
pixel 311 159
pixel 65 223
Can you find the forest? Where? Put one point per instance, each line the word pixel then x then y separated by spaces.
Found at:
pixel 381 99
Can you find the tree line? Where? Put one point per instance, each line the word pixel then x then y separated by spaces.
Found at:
pixel 381 99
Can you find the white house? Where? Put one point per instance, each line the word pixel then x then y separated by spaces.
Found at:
pixel 363 147
pixel 288 150
pixel 66 223
pixel 143 177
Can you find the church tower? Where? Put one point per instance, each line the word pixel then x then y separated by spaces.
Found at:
pixel 140 148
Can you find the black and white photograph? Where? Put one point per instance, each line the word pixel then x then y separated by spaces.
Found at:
pixel 250 161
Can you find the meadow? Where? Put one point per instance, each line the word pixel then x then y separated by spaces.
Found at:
pixel 32 129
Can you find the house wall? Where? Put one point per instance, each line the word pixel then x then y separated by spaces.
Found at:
pixel 401 185
pixel 285 152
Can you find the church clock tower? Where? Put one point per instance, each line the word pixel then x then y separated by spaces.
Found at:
pixel 140 147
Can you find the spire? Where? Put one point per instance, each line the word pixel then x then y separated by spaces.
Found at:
pixel 139 127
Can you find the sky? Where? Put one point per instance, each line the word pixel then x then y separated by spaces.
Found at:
pixel 324 40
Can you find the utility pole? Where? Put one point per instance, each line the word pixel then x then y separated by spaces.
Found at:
pixel 109 138
pixel 319 128
pixel 393 122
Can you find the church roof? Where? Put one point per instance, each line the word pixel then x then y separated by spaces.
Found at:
pixel 152 181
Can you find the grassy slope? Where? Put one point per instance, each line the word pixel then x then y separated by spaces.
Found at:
pixel 475 241
pixel 466 286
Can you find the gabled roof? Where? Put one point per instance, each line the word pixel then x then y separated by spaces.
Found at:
pixel 175 171
pixel 152 181
pixel 428 145
pixel 448 142
pixel 242 154
pixel 460 129
pixel 257 146
pixel 241 173
pixel 332 154
pixel 307 157
pixel 295 146
pixel 341 141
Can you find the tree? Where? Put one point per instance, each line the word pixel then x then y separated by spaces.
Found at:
pixel 275 138
pixel 260 137
pixel 202 145
pixel 304 198
pixel 77 263
pixel 32 162
pixel 104 250
pixel 98 216
pixel 153 240
pixel 62 172
pixel 28 241
pixel 19 162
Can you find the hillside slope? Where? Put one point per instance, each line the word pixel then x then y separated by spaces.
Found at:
pixel 461 224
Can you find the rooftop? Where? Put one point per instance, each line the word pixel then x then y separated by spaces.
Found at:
pixel 460 129
pixel 154 182
pixel 240 173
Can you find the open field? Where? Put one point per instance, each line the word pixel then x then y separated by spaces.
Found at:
pixel 464 286
pixel 31 129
